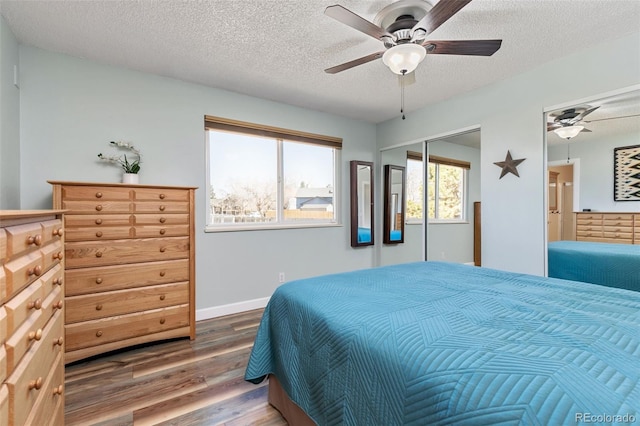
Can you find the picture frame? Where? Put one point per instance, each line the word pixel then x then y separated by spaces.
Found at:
pixel 626 173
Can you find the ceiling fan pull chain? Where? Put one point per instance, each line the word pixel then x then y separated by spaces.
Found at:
pixel 404 73
pixel 568 156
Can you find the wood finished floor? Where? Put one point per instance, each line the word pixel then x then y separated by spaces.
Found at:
pixel 179 382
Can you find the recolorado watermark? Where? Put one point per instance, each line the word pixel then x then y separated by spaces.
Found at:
pixel 605 418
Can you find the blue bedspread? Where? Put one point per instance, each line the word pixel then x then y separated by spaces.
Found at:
pixel 432 343
pixel 613 265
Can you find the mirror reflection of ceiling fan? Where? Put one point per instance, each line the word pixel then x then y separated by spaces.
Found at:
pixel 570 122
pixel 403 28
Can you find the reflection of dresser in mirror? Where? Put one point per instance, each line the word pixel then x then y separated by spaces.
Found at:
pixel 560 217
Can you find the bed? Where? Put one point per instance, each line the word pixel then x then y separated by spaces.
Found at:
pixel 442 343
pixel 613 265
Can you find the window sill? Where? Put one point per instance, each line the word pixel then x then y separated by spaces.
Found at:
pixel 449 222
pixel 243 228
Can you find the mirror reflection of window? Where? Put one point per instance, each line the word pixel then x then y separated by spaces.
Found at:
pixel 415 187
pixel 361 203
pixel 394 204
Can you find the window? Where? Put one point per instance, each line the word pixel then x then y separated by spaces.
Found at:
pixel 447 189
pixel 415 187
pixel 260 176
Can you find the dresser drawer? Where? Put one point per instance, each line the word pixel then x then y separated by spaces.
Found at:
pixel 161 219
pixel 114 252
pixel 108 304
pixel 3 245
pixel 3 285
pixel 589 216
pixel 52 230
pixel 4 405
pixel 21 238
pixel 3 365
pixel 90 220
pixel 52 253
pixel 97 193
pixel 51 279
pixel 47 408
pixel 100 233
pixel 160 194
pixel 108 278
pixel 32 330
pixel 23 305
pixel 627 217
pixel 161 231
pixel 21 271
pixel 98 206
pixel 27 383
pixel 98 332
pixel 161 207
pixel 589 233
pixel 622 237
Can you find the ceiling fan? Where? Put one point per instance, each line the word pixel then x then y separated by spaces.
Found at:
pixel 403 28
pixel 568 123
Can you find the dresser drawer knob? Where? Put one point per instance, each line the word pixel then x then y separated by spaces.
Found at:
pixel 98 221
pixel 163 220
pixel 57 281
pixel 35 384
pixel 35 335
pixel 99 307
pixel 99 207
pixel 35 304
pixel 162 320
pixel 58 390
pixel 99 254
pixel 163 273
pixel 58 342
pixel 162 196
pixel 98 194
pixel 37 270
pixel 57 256
pixel 99 234
pixel 58 232
pixel 99 333
pixel 98 280
pixel 163 231
pixel 163 249
pixel 162 297
pixel 162 208
pixel 34 239
pixel 58 305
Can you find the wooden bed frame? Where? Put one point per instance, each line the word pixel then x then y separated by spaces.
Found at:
pixel 279 399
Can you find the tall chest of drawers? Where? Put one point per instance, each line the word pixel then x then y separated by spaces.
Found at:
pixel 608 227
pixel 31 318
pixel 130 265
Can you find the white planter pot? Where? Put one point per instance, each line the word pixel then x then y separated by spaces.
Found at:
pixel 130 178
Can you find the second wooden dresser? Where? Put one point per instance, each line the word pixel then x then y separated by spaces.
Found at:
pixel 130 265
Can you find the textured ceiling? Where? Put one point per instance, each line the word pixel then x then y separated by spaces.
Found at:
pixel 278 49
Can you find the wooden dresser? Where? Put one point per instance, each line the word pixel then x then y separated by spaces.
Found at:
pixel 31 317
pixel 605 227
pixel 130 269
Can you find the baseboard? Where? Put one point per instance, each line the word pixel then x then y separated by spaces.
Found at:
pixel 232 308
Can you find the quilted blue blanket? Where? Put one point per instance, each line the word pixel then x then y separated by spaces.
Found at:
pixel 433 343
pixel 613 265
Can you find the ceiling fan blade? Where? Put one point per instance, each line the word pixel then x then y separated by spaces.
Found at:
pixel 612 118
pixel 583 114
pixel 463 47
pixel 439 14
pixel 585 130
pixel 354 63
pixel 349 18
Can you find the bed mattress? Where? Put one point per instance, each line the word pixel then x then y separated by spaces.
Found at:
pixel 439 343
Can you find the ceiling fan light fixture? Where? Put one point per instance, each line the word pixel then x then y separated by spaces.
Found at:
pixel 568 132
pixel 404 58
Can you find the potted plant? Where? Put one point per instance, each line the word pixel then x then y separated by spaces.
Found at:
pixel 130 166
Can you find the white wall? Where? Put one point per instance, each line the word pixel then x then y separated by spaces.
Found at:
pixel 596 171
pixel 71 108
pixel 9 121
pixel 510 114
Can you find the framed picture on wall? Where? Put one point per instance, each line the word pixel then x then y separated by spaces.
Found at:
pixel 626 173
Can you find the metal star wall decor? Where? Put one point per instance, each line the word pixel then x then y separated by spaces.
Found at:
pixel 509 165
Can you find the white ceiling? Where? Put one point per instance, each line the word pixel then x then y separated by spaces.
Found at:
pixel 278 49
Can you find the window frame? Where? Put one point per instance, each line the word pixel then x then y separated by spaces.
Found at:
pixel 280 135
